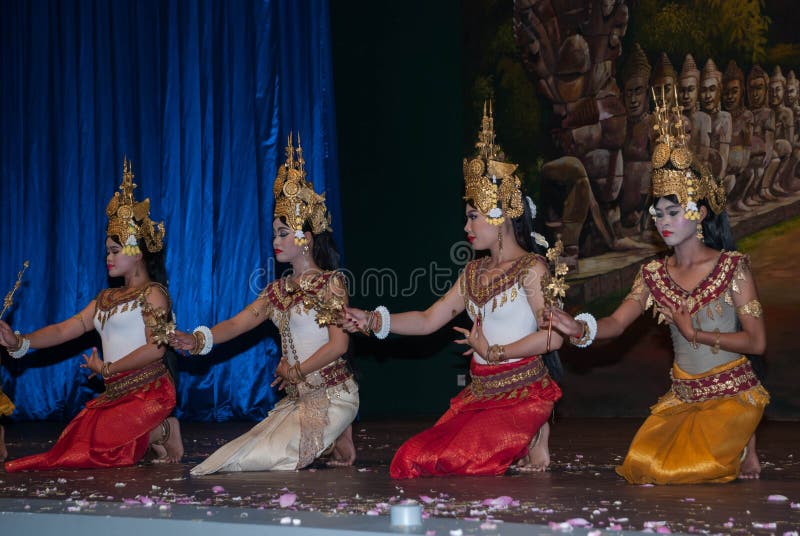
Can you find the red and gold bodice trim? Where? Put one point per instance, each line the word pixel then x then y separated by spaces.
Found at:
pixel 111 301
pixel 723 279
pixel 476 287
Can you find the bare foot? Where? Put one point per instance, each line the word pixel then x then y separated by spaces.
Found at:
pixel 538 458
pixel 750 468
pixel 344 451
pixel 166 441
pixel 3 450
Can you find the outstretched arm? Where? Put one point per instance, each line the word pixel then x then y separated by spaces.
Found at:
pixel 609 327
pixel 53 334
pixel 414 322
pixel 247 319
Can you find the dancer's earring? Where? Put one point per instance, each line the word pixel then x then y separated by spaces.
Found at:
pixel 305 249
pixel 699 233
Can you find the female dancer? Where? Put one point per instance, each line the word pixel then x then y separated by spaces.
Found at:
pixel 322 396
pixel 115 428
pixel 501 417
pixel 703 429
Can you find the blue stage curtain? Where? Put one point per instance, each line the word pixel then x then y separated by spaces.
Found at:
pixel 201 96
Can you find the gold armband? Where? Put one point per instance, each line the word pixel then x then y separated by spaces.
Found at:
pixel 751 308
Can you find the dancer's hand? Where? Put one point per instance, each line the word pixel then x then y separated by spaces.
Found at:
pixel 182 341
pixel 281 374
pixel 7 336
pixel 474 338
pixel 679 317
pixel 354 320
pixel 93 363
pixel 561 321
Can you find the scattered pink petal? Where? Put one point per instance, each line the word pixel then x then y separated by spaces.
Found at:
pixel 430 533
pixel 426 499
pixel 286 520
pixel 218 489
pixel 560 527
pixel 578 522
pixel 795 506
pixel 488 525
pixel 770 526
pixel 777 498
pixel 594 533
pixel 373 513
pixel 614 526
pixel 500 502
pixel 287 499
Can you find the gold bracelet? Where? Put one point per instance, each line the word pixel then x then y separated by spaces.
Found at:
pixel 199 342
pixel 694 340
pixel 715 348
pixel 105 370
pixel 20 340
pixel 584 337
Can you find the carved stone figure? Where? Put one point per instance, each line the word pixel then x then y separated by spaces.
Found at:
pixel 763 139
pixel 737 171
pixel 664 78
pixel 721 121
pixel 793 102
pixel 700 122
pixel 636 152
pixel 576 74
pixel 784 133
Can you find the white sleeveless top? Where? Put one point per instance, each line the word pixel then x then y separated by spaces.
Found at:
pixel 118 320
pixel 503 305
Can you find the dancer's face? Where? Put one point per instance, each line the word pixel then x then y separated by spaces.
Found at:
pixel 480 232
pixel 119 264
pixel 671 225
pixel 283 242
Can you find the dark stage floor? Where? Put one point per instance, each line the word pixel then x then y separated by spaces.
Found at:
pixel 580 484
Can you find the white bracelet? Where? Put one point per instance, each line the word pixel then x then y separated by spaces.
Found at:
pixel 208 338
pixel 23 347
pixel 591 323
pixel 386 322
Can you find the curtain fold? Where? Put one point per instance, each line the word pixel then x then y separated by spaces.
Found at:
pixel 201 97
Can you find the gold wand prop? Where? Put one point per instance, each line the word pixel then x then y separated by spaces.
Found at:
pixel 554 287
pixel 9 300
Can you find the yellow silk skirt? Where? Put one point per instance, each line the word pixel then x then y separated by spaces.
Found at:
pixel 698 442
pixel 6 405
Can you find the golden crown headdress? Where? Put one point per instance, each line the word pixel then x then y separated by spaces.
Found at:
pixel 295 199
pixel 490 182
pixel 676 171
pixel 129 220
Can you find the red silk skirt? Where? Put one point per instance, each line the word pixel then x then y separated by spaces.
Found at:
pixel 113 429
pixel 481 435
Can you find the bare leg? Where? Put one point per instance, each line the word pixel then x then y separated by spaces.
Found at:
pixel 3 450
pixel 344 451
pixel 751 468
pixel 538 458
pixel 166 441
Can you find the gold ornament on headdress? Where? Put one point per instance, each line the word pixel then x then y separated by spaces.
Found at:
pixel 295 198
pixel 129 220
pixel 675 169
pixel 490 182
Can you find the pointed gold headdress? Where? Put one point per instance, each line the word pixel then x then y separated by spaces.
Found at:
pixel 129 220
pixel 295 198
pixel 675 169
pixel 490 182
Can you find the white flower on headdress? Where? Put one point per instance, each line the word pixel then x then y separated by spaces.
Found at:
pixel 652 210
pixel 532 207
pixel 495 213
pixel 540 240
pixel 691 206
